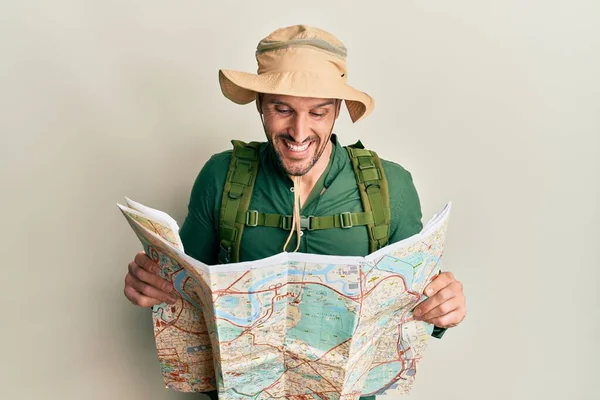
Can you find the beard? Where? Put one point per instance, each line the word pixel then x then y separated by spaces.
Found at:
pixel 298 167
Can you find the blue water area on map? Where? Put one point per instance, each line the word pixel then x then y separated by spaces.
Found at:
pixel 380 376
pixel 325 320
pixel 178 282
pixel 221 311
pixel 402 266
pixel 232 301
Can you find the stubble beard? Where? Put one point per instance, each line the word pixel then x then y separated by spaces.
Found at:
pixel 296 170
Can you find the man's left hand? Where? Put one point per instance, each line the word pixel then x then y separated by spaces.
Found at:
pixel 446 305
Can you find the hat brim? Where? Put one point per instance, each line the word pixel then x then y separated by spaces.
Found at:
pixel 242 87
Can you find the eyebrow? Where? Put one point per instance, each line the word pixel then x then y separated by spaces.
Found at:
pixel 283 103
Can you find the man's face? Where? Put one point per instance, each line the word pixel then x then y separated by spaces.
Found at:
pixel 298 128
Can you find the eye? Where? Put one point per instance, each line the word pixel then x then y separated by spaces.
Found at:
pixel 317 115
pixel 283 111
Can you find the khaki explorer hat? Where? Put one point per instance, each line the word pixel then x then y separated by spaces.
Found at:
pixel 298 61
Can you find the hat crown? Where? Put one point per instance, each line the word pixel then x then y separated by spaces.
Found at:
pixel 302 47
pixel 302 36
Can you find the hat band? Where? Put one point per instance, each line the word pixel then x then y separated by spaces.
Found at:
pixel 266 46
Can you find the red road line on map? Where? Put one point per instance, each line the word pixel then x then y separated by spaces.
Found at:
pixel 276 381
pixel 255 343
pixel 333 348
pixel 228 287
pixel 395 276
pixel 353 298
pixel 232 323
pixel 302 384
pixel 173 322
pixel 306 362
pixel 317 372
pixel 385 279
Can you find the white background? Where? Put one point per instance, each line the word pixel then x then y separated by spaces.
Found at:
pixel 493 105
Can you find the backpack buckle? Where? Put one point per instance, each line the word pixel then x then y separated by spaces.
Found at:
pixel 346 220
pixel 306 222
pixel 252 218
pixel 224 254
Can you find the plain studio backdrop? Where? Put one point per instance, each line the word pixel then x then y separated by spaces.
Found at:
pixel 492 105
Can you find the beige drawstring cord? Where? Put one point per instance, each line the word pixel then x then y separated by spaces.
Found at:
pixel 296 217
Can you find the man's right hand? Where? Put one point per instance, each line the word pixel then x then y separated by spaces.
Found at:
pixel 143 286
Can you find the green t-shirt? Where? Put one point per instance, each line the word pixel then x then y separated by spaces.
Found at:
pixel 335 192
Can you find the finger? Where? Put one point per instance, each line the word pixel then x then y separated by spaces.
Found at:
pixel 442 309
pixel 440 297
pixel 148 289
pixel 451 319
pixel 150 278
pixel 139 299
pixel 142 260
pixel 441 281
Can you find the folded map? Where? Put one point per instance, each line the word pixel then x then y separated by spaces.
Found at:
pixel 292 325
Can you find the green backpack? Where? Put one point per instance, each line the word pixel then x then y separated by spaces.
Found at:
pixel 235 215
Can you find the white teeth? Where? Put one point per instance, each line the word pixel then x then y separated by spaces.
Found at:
pixel 297 148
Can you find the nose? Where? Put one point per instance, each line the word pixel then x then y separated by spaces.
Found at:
pixel 300 128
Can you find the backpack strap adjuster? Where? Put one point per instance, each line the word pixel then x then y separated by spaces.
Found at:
pixel 286 222
pixel 346 220
pixel 252 218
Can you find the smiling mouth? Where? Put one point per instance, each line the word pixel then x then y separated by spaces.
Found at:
pixel 296 148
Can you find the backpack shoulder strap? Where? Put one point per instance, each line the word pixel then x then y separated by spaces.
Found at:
pixel 237 193
pixel 374 193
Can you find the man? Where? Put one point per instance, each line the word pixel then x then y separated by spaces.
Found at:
pixel 303 170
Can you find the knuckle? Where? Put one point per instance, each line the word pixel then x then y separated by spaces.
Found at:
pixel 145 289
pixel 138 272
pixel 443 295
pixel 444 308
